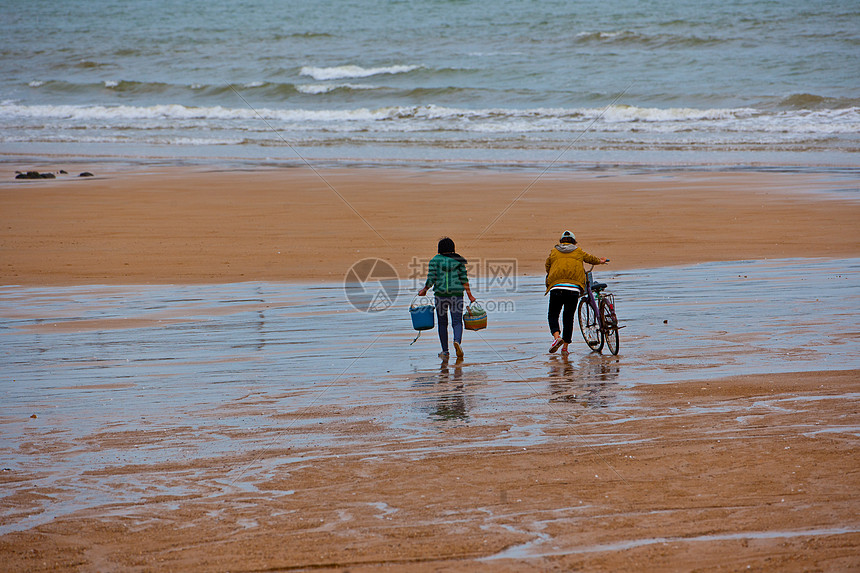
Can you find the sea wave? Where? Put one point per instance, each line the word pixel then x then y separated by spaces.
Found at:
pixel 276 90
pixel 115 85
pixel 433 118
pixel 353 71
pixel 89 65
pixel 149 139
pixel 601 142
pixel 625 113
pixel 270 91
pixel 817 102
pixel 629 37
pixel 315 89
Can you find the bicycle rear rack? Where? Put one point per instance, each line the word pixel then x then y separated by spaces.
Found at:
pixel 609 298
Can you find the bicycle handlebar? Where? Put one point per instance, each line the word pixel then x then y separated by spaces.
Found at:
pixel 592 266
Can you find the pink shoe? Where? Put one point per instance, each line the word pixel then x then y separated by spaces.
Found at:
pixel 556 344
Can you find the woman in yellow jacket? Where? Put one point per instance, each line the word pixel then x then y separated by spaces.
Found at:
pixel 565 281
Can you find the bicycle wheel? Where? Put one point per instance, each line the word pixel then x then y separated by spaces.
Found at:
pixel 588 326
pixel 610 325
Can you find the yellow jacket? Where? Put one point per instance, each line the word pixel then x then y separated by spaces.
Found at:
pixel 564 265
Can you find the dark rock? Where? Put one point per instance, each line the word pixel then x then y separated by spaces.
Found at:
pixel 86 174
pixel 63 172
pixel 34 175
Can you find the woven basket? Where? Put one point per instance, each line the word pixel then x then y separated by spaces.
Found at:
pixel 475 318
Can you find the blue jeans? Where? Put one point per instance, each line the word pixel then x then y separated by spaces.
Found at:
pixel 454 305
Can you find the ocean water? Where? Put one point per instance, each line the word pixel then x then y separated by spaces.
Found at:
pixel 521 81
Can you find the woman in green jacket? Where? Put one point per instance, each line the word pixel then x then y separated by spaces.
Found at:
pixel 565 281
pixel 447 275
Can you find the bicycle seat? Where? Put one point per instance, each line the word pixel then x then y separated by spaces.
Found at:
pixel 597 287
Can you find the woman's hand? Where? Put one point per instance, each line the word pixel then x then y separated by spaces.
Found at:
pixel 604 261
pixel 422 292
pixel 468 290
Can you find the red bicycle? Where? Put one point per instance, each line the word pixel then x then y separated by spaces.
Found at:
pixel 597 319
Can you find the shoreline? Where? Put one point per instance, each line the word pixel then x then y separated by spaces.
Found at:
pixel 552 165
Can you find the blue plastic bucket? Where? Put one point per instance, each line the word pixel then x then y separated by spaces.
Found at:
pixel 422 316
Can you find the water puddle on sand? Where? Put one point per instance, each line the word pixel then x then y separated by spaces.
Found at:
pixel 102 382
pixel 534 548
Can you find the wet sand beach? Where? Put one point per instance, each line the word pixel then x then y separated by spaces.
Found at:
pixel 187 388
pixel 199 225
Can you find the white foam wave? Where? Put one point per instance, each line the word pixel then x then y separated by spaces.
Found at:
pixel 639 114
pixel 604 35
pixel 111 83
pixel 36 84
pixel 440 118
pixel 315 89
pixel 112 139
pixel 179 112
pixel 351 71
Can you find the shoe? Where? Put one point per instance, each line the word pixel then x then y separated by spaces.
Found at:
pixel 443 355
pixel 556 344
pixel 458 349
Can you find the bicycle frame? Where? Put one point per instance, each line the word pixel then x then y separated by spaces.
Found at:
pixel 590 298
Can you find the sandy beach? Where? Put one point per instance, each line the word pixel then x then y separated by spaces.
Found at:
pixel 192 392
pixel 182 225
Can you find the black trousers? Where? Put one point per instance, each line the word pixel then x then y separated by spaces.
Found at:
pixel 562 301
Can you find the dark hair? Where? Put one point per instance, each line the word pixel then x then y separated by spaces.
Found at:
pixel 446 245
pixel 570 240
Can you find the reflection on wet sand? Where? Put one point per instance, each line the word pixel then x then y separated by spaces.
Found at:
pixel 444 396
pixel 451 405
pixel 589 380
